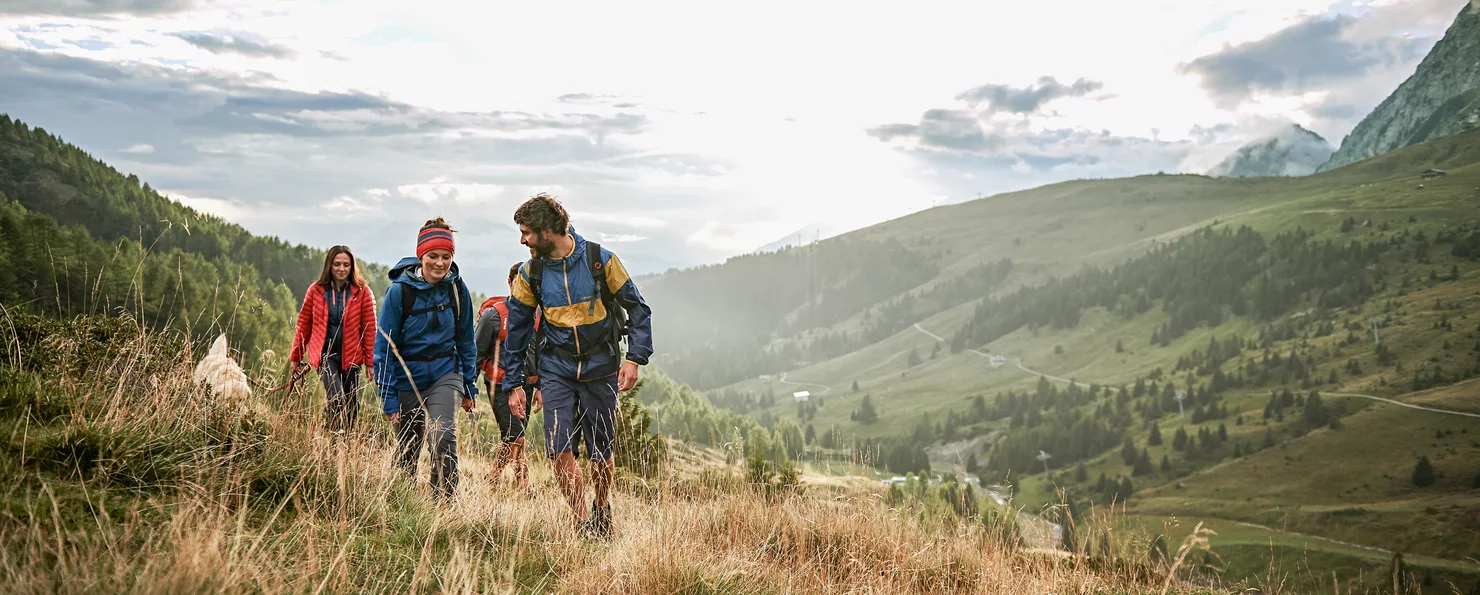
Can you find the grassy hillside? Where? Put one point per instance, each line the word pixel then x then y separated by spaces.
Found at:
pixel 123 477
pixel 1414 270
pixel 79 237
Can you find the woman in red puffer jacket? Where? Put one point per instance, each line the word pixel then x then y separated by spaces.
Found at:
pixel 336 330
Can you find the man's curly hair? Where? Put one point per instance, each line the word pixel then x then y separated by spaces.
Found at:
pixel 542 212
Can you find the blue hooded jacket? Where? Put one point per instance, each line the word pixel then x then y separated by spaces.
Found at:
pixel 574 319
pixel 430 343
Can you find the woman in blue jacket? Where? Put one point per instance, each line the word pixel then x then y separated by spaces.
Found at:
pixel 424 355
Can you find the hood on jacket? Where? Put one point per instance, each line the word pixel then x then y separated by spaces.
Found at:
pixel 408 271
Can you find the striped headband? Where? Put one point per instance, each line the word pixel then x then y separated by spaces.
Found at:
pixel 432 239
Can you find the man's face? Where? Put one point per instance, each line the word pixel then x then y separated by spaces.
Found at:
pixel 541 244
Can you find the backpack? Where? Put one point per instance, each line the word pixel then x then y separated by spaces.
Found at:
pixel 498 302
pixel 619 326
pixel 408 299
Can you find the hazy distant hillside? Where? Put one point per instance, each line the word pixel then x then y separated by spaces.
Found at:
pixel 766 313
pixel 1251 299
pixel 77 236
pixel 1292 151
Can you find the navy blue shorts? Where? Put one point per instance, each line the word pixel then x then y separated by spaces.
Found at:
pixel 597 402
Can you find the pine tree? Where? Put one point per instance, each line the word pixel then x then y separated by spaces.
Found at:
pixel 1179 441
pixel 914 357
pixel 1315 413
pixel 1128 452
pixel 1166 464
pixel 866 413
pixel 855 386
pixel 1155 438
pixel 1143 464
pixel 1423 473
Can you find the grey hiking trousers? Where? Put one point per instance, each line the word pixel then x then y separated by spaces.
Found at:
pixel 435 422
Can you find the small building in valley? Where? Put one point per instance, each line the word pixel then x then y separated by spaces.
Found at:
pixel 1434 173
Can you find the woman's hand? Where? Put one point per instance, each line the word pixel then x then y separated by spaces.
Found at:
pixel 467 404
pixel 394 418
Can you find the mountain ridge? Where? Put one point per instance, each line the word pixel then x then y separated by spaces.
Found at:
pixel 1441 98
pixel 1290 151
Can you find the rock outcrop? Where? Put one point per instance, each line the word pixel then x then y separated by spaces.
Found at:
pixel 1441 98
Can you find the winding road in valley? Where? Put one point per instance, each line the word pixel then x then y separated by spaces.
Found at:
pixel 824 387
pixel 1018 361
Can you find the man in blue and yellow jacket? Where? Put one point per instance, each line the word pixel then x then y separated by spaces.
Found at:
pixel 580 359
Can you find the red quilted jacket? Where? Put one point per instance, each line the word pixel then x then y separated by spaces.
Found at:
pixel 359 328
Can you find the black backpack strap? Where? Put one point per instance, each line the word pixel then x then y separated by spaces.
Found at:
pixel 536 271
pixel 408 301
pixel 614 310
pixel 598 272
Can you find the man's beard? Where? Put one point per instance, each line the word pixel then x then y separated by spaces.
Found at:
pixel 544 249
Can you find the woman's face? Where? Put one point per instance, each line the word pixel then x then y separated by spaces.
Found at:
pixel 341 267
pixel 434 264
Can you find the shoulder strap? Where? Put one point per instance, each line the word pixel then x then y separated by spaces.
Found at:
pixel 536 271
pixel 408 300
pixel 608 299
pixel 598 272
pixel 456 291
pixel 503 320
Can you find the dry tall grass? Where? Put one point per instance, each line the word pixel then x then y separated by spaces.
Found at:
pixel 125 477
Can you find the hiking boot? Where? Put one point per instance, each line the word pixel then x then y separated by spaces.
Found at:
pixel 601 520
pixel 586 529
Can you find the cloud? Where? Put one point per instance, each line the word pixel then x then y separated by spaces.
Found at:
pixel 999 139
pixel 1314 54
pixel 941 129
pixel 973 128
pixel 1026 100
pixel 1290 150
pixel 246 44
pixel 587 98
pixel 95 8
pixel 365 170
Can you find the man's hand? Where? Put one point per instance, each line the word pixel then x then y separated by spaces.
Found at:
pixel 516 402
pixel 627 377
pixel 539 402
pixel 296 367
pixel 394 418
pixel 467 404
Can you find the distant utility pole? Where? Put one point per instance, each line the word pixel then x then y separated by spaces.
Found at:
pixel 1376 339
pixel 1043 456
pixel 1181 396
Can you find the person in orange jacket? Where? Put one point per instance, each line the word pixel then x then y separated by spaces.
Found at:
pixel 489 334
pixel 336 331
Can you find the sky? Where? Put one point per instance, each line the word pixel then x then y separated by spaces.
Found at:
pixel 676 133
